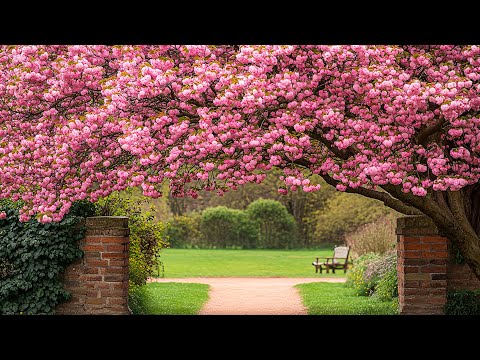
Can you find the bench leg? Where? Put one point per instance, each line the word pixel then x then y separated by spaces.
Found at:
pixel 333 270
pixel 316 269
pixel 321 269
pixel 328 269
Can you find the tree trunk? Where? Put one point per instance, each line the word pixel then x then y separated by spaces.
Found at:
pixel 461 227
pixel 469 246
pixel 457 216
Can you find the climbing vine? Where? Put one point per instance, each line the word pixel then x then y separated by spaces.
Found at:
pixel 33 255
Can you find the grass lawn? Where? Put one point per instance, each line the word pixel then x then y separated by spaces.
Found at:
pixel 337 299
pixel 180 263
pixel 168 299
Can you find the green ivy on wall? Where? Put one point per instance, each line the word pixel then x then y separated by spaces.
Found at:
pixel 33 255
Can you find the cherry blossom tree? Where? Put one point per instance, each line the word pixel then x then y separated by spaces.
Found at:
pixel 400 124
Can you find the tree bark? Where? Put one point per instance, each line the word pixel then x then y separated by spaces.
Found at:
pixel 456 214
pixel 462 231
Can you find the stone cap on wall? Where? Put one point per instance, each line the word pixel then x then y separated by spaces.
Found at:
pixel 416 225
pixel 107 226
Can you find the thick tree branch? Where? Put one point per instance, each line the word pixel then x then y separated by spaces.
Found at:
pixel 408 198
pixel 457 205
pixel 428 205
pixel 385 197
pixel 343 154
pixel 474 203
pixel 423 135
pixel 439 197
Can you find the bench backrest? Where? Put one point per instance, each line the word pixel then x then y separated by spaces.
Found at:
pixel 341 252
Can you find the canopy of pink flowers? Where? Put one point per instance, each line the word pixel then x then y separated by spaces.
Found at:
pixel 78 122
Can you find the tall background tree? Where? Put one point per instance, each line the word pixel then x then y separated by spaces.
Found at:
pixel 304 207
pixel 395 123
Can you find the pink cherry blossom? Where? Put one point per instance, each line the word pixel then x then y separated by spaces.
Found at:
pixel 78 122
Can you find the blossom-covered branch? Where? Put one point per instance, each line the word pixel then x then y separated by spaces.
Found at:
pixel 79 122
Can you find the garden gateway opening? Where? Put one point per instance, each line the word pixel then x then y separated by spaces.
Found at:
pixel 309 146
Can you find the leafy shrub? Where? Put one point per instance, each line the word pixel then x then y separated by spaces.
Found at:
pixel 384 270
pixel 223 227
pixel 387 286
pixel 377 268
pixel 33 255
pixel 356 278
pixel 147 236
pixel 138 299
pixel 375 275
pixel 183 231
pixel 378 236
pixel 463 302
pixel 275 227
pixel 146 241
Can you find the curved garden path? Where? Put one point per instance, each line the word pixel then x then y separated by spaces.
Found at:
pixel 252 296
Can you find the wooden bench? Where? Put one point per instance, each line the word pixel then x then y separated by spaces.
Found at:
pixel 339 260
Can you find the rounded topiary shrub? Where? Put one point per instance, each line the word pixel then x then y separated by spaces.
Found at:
pixel 275 226
pixel 223 227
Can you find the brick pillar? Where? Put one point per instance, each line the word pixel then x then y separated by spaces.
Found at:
pixel 422 266
pixel 99 281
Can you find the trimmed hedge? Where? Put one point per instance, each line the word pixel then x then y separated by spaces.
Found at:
pixel 265 224
pixel 223 227
pixel 183 231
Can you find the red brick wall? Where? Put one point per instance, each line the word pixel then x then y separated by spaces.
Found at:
pixel 426 269
pixel 422 267
pixel 99 281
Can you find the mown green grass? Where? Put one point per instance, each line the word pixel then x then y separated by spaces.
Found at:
pixel 337 299
pixel 168 298
pixel 179 263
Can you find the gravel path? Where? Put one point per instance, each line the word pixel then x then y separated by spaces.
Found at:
pixel 252 296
